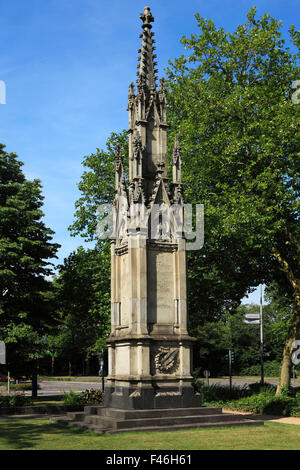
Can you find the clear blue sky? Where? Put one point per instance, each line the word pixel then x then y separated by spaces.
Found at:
pixel 67 65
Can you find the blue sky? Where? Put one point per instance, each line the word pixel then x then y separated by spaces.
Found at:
pixel 67 65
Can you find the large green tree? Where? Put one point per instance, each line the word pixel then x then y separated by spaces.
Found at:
pixel 26 249
pixel 82 290
pixel 230 102
pixel 97 185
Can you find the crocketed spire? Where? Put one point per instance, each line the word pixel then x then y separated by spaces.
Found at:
pixel 147 72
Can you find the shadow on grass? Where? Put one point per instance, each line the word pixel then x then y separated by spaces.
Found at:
pixel 25 434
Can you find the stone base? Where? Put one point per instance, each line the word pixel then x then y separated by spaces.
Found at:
pixel 148 397
pixel 112 420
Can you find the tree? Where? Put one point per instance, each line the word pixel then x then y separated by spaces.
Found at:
pixel 25 251
pixel 97 185
pixel 83 305
pixel 230 102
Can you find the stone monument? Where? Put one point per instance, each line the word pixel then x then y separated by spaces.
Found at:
pixel 149 385
pixel 149 347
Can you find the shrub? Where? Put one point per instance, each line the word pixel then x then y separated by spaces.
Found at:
pixel 18 399
pixel 73 398
pixel 4 401
pixel 266 388
pixel 93 396
pixel 295 410
pixel 271 369
pixel 255 399
pixel 264 403
pixel 89 397
pixel 219 392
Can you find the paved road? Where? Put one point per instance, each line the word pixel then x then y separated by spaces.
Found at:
pixel 244 382
pixel 59 387
pixel 48 388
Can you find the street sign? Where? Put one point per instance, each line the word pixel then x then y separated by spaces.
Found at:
pixel 2 353
pixel 252 318
pixel 257 319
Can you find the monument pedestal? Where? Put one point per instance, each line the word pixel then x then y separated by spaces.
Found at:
pixel 167 385
pixel 148 397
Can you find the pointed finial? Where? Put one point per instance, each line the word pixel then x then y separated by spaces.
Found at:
pixel 118 154
pixel 176 151
pixel 162 83
pixel 160 169
pixel 147 18
pixel 131 89
pixel 176 143
pixel 137 141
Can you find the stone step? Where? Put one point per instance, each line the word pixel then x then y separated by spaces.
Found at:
pixel 61 419
pixel 177 427
pixel 79 416
pixel 164 421
pixel 110 420
pixel 151 413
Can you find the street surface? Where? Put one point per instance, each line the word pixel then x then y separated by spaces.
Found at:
pixel 52 387
pixel 59 387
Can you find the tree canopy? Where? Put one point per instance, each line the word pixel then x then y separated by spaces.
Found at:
pixel 82 294
pixel 230 102
pixel 26 249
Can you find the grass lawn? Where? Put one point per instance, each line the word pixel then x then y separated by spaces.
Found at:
pixel 41 434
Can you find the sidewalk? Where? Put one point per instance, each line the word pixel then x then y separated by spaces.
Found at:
pixel 272 418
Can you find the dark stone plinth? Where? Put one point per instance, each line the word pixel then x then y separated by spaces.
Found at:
pixel 128 398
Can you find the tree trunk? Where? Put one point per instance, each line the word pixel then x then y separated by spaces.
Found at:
pixel 52 364
pixel 70 368
pixel 87 366
pixel 286 363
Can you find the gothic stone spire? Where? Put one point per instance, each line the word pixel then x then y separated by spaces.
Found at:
pixel 146 66
pixel 147 116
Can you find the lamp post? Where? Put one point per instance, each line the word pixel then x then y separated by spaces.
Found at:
pixel 101 368
pixel 230 369
pixel 3 361
pixel 261 340
pixel 255 319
